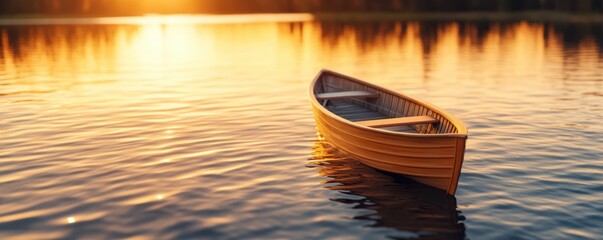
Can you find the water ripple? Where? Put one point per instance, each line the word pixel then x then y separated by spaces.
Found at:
pixel 185 131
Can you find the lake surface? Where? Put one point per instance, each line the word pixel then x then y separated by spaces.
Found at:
pixel 200 128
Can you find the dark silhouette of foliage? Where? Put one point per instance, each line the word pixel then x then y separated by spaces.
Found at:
pixel 136 7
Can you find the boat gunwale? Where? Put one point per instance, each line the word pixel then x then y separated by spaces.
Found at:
pixel 461 128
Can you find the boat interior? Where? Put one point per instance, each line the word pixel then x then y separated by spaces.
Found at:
pixel 378 108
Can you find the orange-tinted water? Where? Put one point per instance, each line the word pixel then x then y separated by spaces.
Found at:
pixel 191 127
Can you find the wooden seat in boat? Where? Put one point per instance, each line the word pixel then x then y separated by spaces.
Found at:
pixel 400 121
pixel 346 94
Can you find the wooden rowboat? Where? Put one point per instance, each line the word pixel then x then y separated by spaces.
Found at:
pixel 388 130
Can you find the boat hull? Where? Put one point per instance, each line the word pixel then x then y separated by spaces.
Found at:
pixel 431 159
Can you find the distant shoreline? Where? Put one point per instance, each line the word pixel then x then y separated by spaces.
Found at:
pixel 537 16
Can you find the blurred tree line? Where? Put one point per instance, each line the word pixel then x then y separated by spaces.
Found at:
pixel 136 7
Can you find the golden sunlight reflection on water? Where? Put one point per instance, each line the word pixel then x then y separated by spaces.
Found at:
pixel 82 54
pixel 187 127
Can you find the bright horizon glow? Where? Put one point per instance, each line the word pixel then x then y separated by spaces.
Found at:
pixel 152 19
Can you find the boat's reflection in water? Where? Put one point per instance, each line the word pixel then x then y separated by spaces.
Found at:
pixel 396 202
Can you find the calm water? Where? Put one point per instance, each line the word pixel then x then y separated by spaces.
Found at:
pixel 192 127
